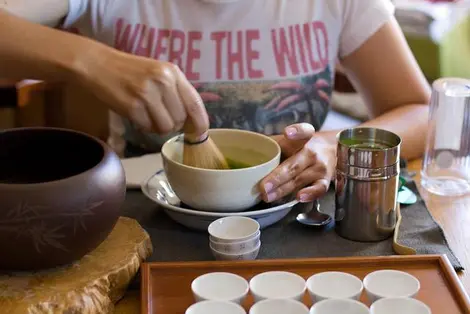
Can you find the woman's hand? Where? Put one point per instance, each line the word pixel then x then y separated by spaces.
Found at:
pixel 308 169
pixel 155 95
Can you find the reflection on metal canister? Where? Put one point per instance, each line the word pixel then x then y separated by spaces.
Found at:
pixel 366 184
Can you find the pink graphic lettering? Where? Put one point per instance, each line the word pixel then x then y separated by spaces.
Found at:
pixel 251 54
pixel 292 49
pixel 177 47
pixel 126 35
pixel 145 43
pixel 218 37
pixel 235 55
pixel 193 55
pixel 321 36
pixel 282 51
pixel 162 43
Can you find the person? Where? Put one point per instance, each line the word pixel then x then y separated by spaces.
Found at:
pixel 261 65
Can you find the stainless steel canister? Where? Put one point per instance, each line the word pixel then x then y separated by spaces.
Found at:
pixel 366 183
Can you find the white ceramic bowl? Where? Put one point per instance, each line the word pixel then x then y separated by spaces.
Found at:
pixel 215 307
pixel 399 305
pixel 277 285
pixel 233 229
pixel 236 247
pixel 222 190
pixel 220 286
pixel 334 285
pixel 390 284
pixel 237 256
pixel 339 306
pixel 285 306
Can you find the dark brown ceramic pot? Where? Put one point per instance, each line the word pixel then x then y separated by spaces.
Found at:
pixel 60 196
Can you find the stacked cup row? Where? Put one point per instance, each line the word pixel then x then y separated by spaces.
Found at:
pixel 234 238
pixel 331 292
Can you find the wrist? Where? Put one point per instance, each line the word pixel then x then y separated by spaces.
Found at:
pixel 85 59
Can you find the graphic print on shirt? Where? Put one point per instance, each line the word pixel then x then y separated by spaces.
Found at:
pixel 255 79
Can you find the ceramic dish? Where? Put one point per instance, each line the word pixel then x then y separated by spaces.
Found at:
pixel 215 307
pixel 237 256
pixel 272 306
pixel 236 247
pixel 277 285
pixel 399 305
pixel 390 284
pixel 220 286
pixel 233 229
pixel 337 306
pixel 157 189
pixel 334 285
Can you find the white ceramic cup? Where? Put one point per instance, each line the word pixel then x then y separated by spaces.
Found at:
pixel 390 284
pixel 277 285
pixel 234 256
pixel 334 285
pixel 222 190
pixel 236 247
pixel 215 307
pixel 220 286
pixel 339 306
pixel 399 305
pixel 285 306
pixel 233 229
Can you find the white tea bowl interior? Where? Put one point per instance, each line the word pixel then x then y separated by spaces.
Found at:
pixel 339 306
pixel 277 285
pixel 222 190
pixel 236 247
pixel 399 305
pixel 334 285
pixel 285 306
pixel 244 255
pixel 390 284
pixel 215 307
pixel 233 229
pixel 220 286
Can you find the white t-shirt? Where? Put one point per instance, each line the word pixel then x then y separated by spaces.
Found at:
pixel 258 64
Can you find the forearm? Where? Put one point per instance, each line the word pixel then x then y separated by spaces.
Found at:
pixel 409 122
pixel 33 51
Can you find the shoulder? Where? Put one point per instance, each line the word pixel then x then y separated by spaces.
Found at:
pixel 360 20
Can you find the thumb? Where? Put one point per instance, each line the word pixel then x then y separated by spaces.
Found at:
pixel 299 131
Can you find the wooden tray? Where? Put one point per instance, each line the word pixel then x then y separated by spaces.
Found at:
pixel 166 287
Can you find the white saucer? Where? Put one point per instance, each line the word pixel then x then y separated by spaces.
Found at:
pixel 157 188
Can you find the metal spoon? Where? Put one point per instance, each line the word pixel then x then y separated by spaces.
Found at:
pixel 313 217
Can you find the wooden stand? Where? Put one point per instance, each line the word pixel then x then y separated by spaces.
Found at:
pixel 91 285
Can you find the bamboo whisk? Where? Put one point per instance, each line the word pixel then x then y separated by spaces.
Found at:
pixel 200 151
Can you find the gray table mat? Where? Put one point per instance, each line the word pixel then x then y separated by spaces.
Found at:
pixel 287 238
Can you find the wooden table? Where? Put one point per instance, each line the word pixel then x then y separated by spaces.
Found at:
pixel 453 214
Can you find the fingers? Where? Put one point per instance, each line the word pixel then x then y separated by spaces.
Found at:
pixel 309 175
pixel 287 171
pixel 161 118
pixel 175 107
pixel 197 117
pixel 318 189
pixel 299 131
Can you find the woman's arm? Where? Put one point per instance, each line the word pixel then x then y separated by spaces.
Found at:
pixel 396 92
pixel 30 50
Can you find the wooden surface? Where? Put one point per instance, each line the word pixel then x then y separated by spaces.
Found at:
pixel 91 286
pixel 166 287
pixel 453 214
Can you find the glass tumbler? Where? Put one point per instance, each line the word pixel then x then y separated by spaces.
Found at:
pixel 446 163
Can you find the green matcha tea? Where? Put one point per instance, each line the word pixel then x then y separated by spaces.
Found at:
pixel 233 164
pixel 355 143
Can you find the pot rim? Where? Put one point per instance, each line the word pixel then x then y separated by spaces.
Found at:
pixel 105 147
